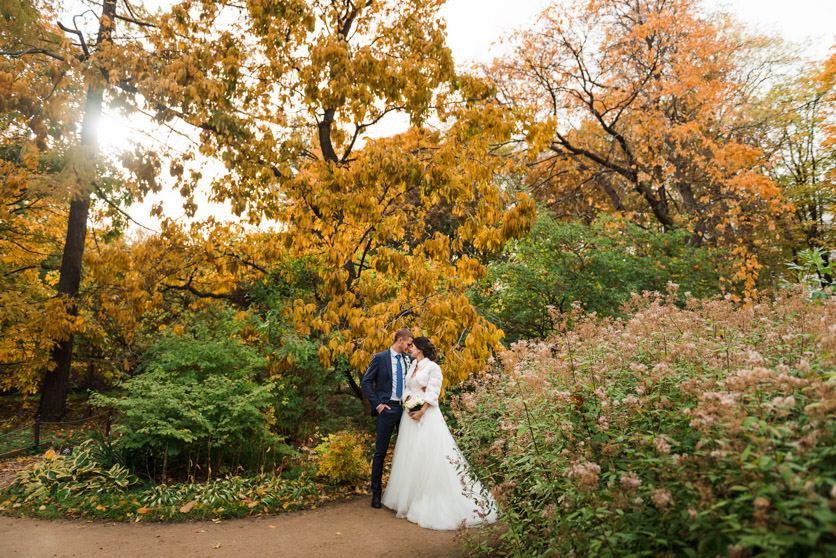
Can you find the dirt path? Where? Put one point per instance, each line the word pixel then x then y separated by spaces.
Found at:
pixel 345 530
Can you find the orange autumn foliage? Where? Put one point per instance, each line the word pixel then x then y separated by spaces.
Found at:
pixel 827 87
pixel 641 108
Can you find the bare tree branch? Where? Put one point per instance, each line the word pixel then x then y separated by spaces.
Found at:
pixel 79 35
pixel 19 53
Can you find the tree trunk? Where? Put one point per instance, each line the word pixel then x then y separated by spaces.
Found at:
pixel 56 384
pixel 659 207
pixel 686 193
pixel 606 183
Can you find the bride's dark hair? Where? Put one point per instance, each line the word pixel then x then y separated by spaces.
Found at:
pixel 426 346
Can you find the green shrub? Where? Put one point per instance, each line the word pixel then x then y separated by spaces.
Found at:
pixel 815 270
pixel 309 396
pixel 344 458
pixel 703 431
pixel 195 407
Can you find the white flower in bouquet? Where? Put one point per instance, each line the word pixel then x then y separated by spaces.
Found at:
pixel 414 404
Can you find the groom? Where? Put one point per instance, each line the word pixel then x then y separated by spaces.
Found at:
pixel 383 383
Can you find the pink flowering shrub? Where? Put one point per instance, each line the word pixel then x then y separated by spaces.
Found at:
pixel 706 430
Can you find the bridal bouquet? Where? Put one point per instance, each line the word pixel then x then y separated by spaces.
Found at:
pixel 414 404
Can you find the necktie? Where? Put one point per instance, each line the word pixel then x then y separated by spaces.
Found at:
pixel 399 372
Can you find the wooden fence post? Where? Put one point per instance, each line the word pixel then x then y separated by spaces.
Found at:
pixel 37 429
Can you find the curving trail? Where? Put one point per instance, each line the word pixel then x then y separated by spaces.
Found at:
pixel 339 530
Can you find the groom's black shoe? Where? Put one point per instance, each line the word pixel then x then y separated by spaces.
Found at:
pixel 376 500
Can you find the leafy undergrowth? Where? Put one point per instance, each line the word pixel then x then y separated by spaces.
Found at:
pixel 77 486
pixel 220 499
pixel 9 468
pixel 96 482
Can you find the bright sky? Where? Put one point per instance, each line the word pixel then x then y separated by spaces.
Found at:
pixel 475 25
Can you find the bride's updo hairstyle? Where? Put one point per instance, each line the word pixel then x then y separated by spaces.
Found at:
pixel 426 346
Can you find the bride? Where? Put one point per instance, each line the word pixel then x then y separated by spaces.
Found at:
pixel 429 484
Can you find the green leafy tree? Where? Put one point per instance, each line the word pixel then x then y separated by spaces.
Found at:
pixel 597 265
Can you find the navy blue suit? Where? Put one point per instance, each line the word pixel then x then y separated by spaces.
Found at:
pixel 377 386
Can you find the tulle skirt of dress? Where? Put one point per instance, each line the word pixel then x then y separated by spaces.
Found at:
pixel 428 483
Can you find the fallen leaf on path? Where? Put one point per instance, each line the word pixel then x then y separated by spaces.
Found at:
pixel 217 546
pixel 272 526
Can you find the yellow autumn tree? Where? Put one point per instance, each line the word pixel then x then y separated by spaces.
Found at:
pixel 53 81
pixel 38 101
pixel 284 95
pixel 826 82
pixel 827 86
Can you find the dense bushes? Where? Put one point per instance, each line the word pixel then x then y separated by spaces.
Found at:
pixel 597 265
pixel 701 431
pixel 196 409
pixel 306 386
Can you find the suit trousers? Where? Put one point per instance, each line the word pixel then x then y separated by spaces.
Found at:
pixel 386 423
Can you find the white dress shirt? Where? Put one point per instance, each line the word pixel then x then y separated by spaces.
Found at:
pixel 393 355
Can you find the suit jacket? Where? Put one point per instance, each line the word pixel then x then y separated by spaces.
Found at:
pixel 377 381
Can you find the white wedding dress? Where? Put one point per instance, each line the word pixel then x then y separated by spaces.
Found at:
pixel 429 484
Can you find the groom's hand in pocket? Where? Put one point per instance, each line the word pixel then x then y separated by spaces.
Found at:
pixel 381 407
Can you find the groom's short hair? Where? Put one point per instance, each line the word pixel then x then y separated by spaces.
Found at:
pixel 403 333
